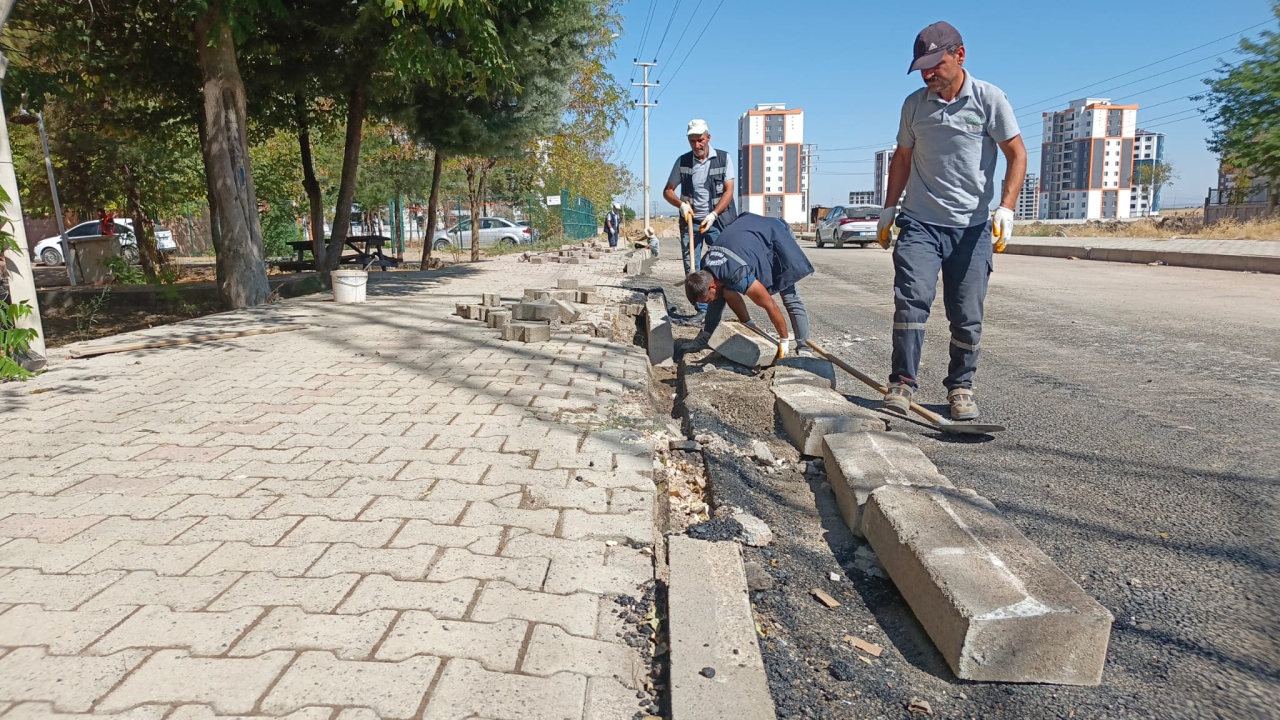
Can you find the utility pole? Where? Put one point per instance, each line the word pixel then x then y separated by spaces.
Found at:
pixel 806 163
pixel 21 281
pixel 646 105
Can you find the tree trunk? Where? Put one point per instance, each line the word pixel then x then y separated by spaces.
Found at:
pixel 242 271
pixel 144 230
pixel 357 104
pixel 473 202
pixel 215 230
pixel 310 185
pixel 433 207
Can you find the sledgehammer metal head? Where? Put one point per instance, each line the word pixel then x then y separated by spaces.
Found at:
pixel 936 420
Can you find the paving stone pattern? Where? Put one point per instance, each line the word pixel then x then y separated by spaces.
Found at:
pixel 392 514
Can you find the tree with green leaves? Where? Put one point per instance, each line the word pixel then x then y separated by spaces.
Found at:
pixel 1244 110
pixel 1153 175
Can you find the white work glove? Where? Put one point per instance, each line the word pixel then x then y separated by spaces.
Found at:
pixel 707 222
pixel 1001 228
pixel 685 209
pixel 884 228
pixel 785 348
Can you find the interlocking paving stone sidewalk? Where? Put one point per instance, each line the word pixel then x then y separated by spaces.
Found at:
pixel 390 514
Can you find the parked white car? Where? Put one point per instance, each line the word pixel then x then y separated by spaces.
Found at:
pixel 493 231
pixel 855 224
pixel 49 250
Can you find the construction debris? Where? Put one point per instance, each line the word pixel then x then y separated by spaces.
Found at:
pixel 824 598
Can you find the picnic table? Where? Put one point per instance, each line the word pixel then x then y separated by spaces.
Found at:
pixel 302 247
pixel 369 252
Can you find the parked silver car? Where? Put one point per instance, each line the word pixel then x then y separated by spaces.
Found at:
pixel 855 224
pixel 49 250
pixel 493 231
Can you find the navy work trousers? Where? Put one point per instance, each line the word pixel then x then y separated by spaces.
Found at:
pixel 700 242
pixel 963 255
pixel 790 300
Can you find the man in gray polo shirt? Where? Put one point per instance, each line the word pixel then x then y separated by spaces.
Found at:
pixel 946 161
pixel 705 179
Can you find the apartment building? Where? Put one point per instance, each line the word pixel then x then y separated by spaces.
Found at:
pixel 770 177
pixel 1148 149
pixel 1086 161
pixel 883 158
pixel 863 197
pixel 1029 198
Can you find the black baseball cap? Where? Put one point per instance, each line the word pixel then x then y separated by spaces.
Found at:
pixel 932 43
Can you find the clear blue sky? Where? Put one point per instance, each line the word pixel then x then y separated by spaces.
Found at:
pixel 845 65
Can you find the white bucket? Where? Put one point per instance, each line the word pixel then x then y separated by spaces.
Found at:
pixel 349 285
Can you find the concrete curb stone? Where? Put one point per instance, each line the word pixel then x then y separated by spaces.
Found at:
pixel 712 626
pixel 810 413
pixel 857 463
pixel 996 606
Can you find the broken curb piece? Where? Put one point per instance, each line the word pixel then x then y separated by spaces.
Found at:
pixel 737 343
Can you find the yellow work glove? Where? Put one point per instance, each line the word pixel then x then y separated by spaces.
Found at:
pixel 707 222
pixel 884 228
pixel 1001 228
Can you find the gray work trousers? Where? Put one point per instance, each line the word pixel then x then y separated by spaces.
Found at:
pixel 963 255
pixel 790 300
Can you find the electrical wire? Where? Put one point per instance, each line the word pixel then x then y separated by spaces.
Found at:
pixel 676 47
pixel 706 26
pixel 675 9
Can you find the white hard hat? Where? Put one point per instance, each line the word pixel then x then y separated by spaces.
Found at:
pixel 697 126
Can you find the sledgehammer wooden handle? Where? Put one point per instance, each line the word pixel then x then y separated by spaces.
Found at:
pixel 929 415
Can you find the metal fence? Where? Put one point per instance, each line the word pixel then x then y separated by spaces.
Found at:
pixel 1239 204
pixel 577 216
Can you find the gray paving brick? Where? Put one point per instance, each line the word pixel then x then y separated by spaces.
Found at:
pixel 467 690
pixel 334 508
pixel 29 674
pixel 483 513
pixel 54 592
pixel 224 529
pixel 423 532
pixel 202 633
pixel 230 685
pixel 494 645
pixel 377 592
pixel 62 632
pixel 238 556
pixel 310 594
pixel 400 563
pixel 145 587
pixel 456 563
pixel 289 628
pixel 133 555
pixel 552 650
pixel 208 505
pixel 46 711
pixel 393 690
pixel 317 529
pixel 429 507
pixel 49 557
pixel 500 601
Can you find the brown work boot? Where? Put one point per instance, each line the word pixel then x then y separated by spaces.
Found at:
pixel 898 398
pixel 962 405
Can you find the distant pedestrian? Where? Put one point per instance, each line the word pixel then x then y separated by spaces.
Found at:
pixel 612 221
pixel 946 161
pixel 106 223
pixel 757 257
pixel 705 178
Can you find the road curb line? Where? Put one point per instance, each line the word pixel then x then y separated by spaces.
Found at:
pixel 1206 261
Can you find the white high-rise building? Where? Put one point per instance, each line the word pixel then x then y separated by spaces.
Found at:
pixel 883 158
pixel 1029 198
pixel 1148 149
pixel 770 177
pixel 862 197
pixel 1086 161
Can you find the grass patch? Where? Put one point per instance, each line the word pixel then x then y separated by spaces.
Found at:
pixel 1174 226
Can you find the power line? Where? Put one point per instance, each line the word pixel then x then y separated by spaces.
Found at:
pixel 676 48
pixel 675 9
pixel 1165 72
pixel 1152 64
pixel 645 35
pixel 706 26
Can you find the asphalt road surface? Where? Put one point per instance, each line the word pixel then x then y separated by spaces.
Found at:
pixel 1143 451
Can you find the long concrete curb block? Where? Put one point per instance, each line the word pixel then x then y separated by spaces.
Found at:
pixel 858 463
pixel 794 369
pixel 810 413
pixel 712 627
pixel 997 607
pixel 658 336
pixel 1208 261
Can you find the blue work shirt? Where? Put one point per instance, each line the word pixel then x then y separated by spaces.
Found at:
pixel 753 248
